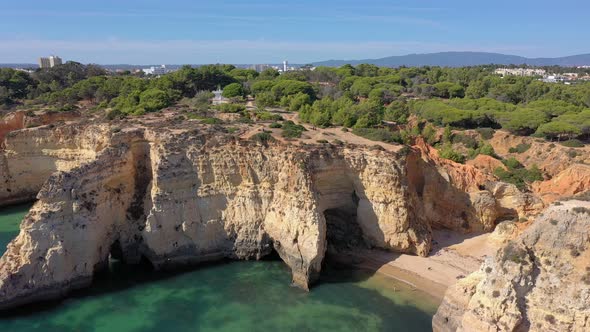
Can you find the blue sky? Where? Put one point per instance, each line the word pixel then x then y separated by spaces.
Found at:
pixel 265 31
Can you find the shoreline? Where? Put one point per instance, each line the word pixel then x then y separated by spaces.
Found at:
pixel 454 256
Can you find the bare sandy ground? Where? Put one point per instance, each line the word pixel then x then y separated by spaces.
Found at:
pixel 315 134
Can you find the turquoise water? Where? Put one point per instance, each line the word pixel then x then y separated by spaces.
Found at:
pixel 236 296
pixel 10 219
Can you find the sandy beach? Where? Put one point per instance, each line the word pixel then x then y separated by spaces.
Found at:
pixel 453 257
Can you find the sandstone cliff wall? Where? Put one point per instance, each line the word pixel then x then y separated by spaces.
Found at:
pixel 178 197
pixel 462 197
pixel 30 156
pixel 24 119
pixel 539 282
pixel 67 234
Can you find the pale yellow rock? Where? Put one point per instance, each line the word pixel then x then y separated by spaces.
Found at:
pixel 30 156
pixel 183 196
pixel 538 282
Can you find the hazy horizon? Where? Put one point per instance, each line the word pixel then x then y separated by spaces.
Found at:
pixel 254 63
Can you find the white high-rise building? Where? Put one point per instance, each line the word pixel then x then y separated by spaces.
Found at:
pixel 54 61
pixel 49 62
pixel 44 63
pixel 285 64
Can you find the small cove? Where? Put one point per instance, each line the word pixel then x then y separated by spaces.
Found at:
pixel 228 296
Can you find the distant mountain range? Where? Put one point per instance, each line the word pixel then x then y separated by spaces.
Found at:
pixel 460 59
pixel 18 65
pixel 443 59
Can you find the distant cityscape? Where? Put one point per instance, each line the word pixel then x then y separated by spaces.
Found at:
pixel 566 78
pixel 163 69
pixel 545 76
pixel 54 60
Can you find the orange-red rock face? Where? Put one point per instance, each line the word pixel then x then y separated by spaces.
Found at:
pixel 486 164
pixel 551 158
pixel 572 181
pixel 11 122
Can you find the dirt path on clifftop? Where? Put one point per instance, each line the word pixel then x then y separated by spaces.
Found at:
pixel 314 134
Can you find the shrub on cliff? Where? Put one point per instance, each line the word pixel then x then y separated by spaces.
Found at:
pixel 378 134
pixel 211 121
pixel 113 114
pixel 517 175
pixel 268 116
pixel 581 209
pixel 483 148
pixel 520 148
pixel 230 108
pixel 64 108
pixel 429 134
pixel 466 140
pixel 486 133
pixel 447 136
pixel 573 143
pixel 512 163
pixel 512 252
pixel 292 130
pixel 262 137
pixel 447 152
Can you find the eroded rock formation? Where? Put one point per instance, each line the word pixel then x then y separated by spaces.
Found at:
pixel 486 163
pixel 551 158
pixel 570 182
pixel 472 200
pixel 178 196
pixel 538 282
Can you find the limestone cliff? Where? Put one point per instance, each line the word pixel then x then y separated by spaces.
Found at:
pixel 25 119
pixel 539 282
pixel 30 156
pixel 179 196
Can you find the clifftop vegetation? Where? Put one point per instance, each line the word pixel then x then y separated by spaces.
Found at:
pixel 356 97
